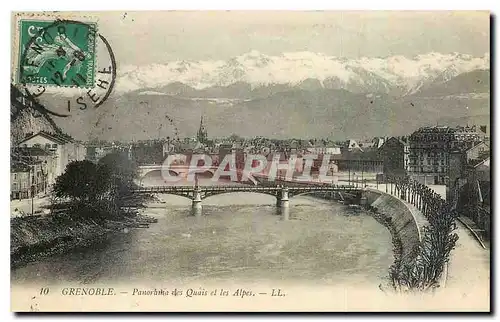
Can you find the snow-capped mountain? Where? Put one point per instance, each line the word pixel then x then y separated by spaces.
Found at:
pixel 396 73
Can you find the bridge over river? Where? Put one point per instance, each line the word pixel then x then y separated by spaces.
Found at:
pixel 281 192
pixel 183 171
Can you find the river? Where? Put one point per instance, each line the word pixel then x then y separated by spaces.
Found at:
pixel 239 237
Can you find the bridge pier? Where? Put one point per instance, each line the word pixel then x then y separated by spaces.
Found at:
pixel 284 201
pixel 285 213
pixel 278 198
pixel 196 203
pixel 284 204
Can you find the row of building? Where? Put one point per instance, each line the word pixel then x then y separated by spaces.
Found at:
pixel 434 155
pixel 456 157
pixel 425 155
pixel 431 155
pixel 38 159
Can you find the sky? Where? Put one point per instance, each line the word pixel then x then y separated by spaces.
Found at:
pixel 140 38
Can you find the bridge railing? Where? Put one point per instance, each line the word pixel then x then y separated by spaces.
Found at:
pixel 325 187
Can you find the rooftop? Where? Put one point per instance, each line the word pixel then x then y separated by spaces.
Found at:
pixel 370 154
pixel 59 138
pixel 447 129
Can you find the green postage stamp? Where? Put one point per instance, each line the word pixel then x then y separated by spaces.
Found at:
pixel 60 53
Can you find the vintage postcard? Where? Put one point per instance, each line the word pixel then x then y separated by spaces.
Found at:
pixel 260 161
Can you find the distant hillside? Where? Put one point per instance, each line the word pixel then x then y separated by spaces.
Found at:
pixel 477 81
pixel 332 113
pixel 26 118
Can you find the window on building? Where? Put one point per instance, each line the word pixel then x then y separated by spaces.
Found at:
pixel 14 186
pixel 47 145
pixel 54 146
pixel 15 176
pixel 36 145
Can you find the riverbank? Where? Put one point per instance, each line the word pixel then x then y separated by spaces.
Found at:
pixel 23 207
pixel 33 238
pixel 387 285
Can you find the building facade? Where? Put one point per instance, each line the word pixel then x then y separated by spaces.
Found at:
pixel 27 179
pixel 473 195
pixel 430 149
pixel 324 150
pixel 368 161
pixel 395 156
pixel 63 150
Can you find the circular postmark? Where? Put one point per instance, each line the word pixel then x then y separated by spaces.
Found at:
pixel 65 65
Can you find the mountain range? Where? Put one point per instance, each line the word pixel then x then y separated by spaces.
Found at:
pixel 292 95
pixel 396 75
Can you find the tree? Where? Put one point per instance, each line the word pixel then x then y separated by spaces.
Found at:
pixel 234 137
pixel 97 190
pixel 82 181
pixel 120 165
pixel 122 172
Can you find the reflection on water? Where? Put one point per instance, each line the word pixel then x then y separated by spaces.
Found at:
pixel 239 237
